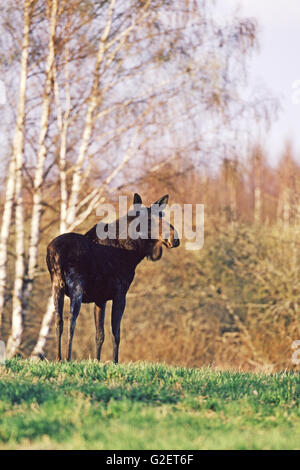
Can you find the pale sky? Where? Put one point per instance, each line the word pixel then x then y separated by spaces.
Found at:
pixel 277 65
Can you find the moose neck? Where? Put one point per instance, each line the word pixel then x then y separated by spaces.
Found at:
pixel 136 250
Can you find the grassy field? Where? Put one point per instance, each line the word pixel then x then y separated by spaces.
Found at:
pixel 87 405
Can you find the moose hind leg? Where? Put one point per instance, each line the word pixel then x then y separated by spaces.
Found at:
pixel 58 299
pixel 76 299
pixel 116 317
pixel 99 314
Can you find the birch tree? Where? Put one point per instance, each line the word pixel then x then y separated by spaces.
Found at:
pixel 20 294
pixel 41 157
pixel 5 228
pixel 14 179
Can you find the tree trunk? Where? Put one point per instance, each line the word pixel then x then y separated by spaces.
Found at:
pixel 39 172
pixel 18 150
pixel 5 228
pixel 63 123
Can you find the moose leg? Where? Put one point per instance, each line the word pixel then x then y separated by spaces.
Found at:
pixel 99 314
pixel 76 299
pixel 116 317
pixel 58 299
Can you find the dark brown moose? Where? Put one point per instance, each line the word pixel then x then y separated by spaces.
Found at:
pixel 88 269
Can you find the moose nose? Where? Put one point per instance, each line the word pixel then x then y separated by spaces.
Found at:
pixel 173 242
pixel 176 242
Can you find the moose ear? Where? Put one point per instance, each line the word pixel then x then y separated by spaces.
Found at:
pixel 137 199
pixel 162 201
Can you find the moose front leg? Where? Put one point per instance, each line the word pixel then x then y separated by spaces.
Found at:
pixel 99 315
pixel 117 312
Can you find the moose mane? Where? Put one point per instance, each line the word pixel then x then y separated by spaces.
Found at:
pixel 152 249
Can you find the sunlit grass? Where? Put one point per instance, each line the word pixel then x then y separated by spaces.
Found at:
pixel 87 405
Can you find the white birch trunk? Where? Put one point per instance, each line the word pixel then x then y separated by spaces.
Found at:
pixel 14 340
pixel 5 228
pixel 39 172
pixel 63 123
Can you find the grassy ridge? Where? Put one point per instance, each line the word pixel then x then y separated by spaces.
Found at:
pixel 87 405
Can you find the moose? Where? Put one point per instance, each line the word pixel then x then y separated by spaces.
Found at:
pixel 88 269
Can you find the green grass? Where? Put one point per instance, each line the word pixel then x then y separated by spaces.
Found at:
pixel 87 405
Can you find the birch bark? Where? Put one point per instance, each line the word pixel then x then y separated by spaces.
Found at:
pixel 39 171
pixel 5 229
pixel 16 170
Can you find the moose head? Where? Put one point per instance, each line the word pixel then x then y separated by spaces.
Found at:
pixel 149 225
